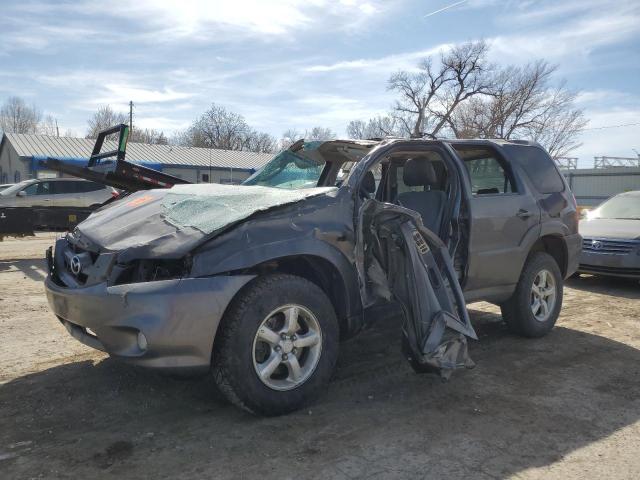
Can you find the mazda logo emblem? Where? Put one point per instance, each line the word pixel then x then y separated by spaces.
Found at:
pixel 596 244
pixel 76 265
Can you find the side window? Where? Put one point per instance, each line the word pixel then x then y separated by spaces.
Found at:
pixel 488 177
pixel 488 174
pixel 40 188
pixel 31 189
pixel 65 187
pixel 539 167
pixel 44 188
pixel 85 187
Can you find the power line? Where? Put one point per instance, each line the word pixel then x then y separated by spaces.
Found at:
pixel 613 126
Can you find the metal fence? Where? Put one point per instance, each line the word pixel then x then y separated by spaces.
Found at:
pixel 592 186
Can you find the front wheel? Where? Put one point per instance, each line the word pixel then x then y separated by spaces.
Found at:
pixel 534 307
pixel 277 345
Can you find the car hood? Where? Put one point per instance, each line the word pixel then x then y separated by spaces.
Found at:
pixel 610 228
pixel 168 223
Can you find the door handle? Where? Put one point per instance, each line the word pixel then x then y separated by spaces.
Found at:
pixel 523 214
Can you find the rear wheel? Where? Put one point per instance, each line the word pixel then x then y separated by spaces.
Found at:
pixel 533 309
pixel 277 345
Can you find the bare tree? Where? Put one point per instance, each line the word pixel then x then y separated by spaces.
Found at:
pixel 430 96
pixel 319 134
pixel 261 142
pixel 17 117
pixel 292 135
pixel 148 135
pixel 559 126
pixel 377 127
pixel 104 118
pixel 221 128
pixel 523 105
pixel 289 137
pixel 49 126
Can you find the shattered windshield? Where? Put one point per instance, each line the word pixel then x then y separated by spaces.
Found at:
pixel 288 170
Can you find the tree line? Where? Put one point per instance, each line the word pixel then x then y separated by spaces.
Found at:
pixel 461 94
pixel 456 94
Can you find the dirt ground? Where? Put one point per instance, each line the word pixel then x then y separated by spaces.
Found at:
pixel 565 406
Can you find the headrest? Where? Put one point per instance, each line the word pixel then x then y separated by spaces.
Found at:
pixel 418 172
pixel 368 185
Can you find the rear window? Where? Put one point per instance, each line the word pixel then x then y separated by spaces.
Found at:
pixel 539 167
pixel 83 187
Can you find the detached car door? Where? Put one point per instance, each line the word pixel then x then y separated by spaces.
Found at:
pixel 504 215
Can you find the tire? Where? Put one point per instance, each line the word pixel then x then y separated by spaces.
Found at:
pixel 518 310
pixel 240 349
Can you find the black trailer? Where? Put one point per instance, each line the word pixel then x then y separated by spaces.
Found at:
pixel 108 168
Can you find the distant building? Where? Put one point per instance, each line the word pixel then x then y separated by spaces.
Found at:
pixel 20 156
pixel 592 186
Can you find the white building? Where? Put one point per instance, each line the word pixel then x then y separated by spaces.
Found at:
pixel 20 156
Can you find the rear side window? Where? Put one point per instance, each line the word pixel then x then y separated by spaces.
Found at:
pixel 64 187
pixel 84 187
pixel 539 167
pixel 488 174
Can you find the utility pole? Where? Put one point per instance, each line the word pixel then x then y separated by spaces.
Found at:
pixel 57 129
pixel 130 117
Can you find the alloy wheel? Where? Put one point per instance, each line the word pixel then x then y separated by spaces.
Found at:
pixel 543 295
pixel 287 347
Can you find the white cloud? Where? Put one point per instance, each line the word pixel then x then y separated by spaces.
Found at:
pixel 619 141
pixel 166 124
pixel 608 133
pixel 116 93
pixel 388 63
pixel 210 19
pixel 566 32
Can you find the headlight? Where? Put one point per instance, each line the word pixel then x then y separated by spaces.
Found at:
pixel 152 270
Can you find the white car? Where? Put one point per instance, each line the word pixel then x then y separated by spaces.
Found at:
pixel 56 192
pixel 4 186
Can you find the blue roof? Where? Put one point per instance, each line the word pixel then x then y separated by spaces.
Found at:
pixel 82 162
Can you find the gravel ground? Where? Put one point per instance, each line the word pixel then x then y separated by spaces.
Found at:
pixel 565 406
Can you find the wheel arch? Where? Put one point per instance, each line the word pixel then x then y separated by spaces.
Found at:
pixel 555 246
pixel 327 276
pixel 317 261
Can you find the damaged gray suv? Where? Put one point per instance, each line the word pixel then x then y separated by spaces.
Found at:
pixel 257 284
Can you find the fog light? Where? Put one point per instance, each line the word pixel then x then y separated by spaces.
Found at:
pixel 142 341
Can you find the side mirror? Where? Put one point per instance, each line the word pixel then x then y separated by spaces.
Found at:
pixel 21 193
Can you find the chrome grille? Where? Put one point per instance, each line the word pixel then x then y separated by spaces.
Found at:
pixel 609 246
pixel 77 261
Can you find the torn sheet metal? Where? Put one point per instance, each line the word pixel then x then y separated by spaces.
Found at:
pixel 419 275
pixel 169 223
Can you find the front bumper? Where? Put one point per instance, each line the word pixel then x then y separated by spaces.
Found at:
pixel 179 318
pixel 625 266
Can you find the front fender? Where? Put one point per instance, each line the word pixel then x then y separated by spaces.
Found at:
pixel 554 227
pixel 242 249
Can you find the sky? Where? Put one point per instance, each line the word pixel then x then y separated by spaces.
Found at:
pixel 301 63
